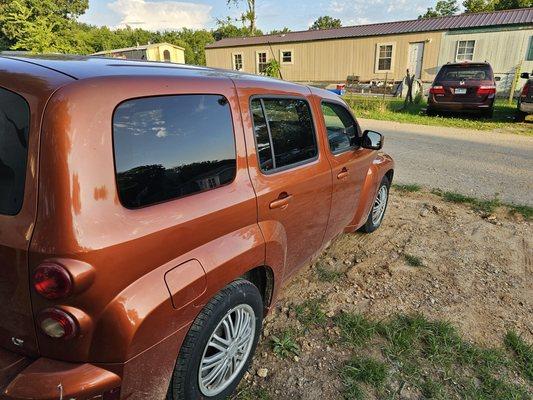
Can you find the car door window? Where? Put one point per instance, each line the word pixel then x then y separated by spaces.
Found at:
pixel 284 132
pixel 168 147
pixel 341 127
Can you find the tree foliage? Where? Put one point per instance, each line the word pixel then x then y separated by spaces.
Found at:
pixel 40 25
pixel 326 22
pixel 443 8
pixel 248 17
pixel 472 6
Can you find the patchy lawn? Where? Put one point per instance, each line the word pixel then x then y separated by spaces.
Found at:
pixel 436 304
pixel 392 110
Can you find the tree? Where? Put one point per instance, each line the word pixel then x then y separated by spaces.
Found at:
pixel 472 6
pixel 227 29
pixel 249 16
pixel 443 8
pixel 40 25
pixel 279 31
pixel 326 22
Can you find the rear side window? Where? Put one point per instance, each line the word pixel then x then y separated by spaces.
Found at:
pixel 284 132
pixel 14 129
pixel 341 127
pixel 465 73
pixel 171 146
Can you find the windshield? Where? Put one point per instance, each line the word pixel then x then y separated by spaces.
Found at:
pixel 14 127
pixel 465 73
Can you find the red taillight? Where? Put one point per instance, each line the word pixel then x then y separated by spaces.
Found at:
pixel 52 281
pixel 485 90
pixel 437 90
pixel 525 90
pixel 57 324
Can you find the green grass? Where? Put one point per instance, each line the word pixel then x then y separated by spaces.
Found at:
pixel 327 274
pixel 252 393
pixel 413 261
pixel 362 370
pixel 411 188
pixel 432 358
pixel 285 344
pixel 356 330
pixel 392 109
pixel 484 206
pixel 523 353
pixel 310 313
pixel 525 211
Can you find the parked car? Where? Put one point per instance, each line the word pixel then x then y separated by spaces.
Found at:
pixel 463 87
pixel 525 100
pixel 149 215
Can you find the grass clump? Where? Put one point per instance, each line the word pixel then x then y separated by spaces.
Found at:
pixel 310 313
pixel 326 274
pixel 523 353
pixel 431 357
pixel 252 393
pixel 408 188
pixel 413 261
pixel 356 329
pixel 285 345
pixel 525 211
pixel 484 206
pixel 362 370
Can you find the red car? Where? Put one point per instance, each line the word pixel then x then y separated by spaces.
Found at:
pixel 463 87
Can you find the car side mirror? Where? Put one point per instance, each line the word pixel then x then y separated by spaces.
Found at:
pixel 524 75
pixel 372 140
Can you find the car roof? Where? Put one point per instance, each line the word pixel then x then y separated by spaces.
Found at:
pixel 84 67
pixel 467 64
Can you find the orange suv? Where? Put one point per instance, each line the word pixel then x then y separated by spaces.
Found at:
pixel 150 213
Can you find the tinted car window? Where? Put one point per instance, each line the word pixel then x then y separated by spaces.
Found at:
pixel 465 73
pixel 14 129
pixel 171 146
pixel 290 128
pixel 341 127
pixel 262 137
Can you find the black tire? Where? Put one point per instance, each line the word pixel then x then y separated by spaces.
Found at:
pixel 370 226
pixel 185 382
pixel 487 114
pixel 520 116
pixel 430 112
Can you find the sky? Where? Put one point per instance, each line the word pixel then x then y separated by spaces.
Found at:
pixel 271 14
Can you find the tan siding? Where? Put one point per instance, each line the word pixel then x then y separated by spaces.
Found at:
pixel 503 49
pixel 334 60
pixel 155 53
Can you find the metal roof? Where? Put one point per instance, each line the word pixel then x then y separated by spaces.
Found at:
pixel 523 16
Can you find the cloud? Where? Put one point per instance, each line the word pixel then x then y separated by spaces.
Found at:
pixel 164 15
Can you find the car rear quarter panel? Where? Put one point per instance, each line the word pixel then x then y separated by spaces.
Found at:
pixel 128 307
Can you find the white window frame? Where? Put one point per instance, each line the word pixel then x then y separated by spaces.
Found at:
pixel 234 64
pixel 459 45
pixel 393 56
pixel 265 52
pixel 281 56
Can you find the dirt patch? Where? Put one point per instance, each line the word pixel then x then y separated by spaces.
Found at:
pixel 440 259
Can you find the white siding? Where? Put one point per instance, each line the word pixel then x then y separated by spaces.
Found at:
pixel 503 49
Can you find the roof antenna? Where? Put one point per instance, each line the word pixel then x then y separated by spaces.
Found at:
pixel 279 62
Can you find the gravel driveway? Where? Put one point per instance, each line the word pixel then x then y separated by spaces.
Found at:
pixel 475 163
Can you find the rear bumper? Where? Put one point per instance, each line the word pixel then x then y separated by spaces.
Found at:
pixel 45 379
pixel 526 107
pixel 453 106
